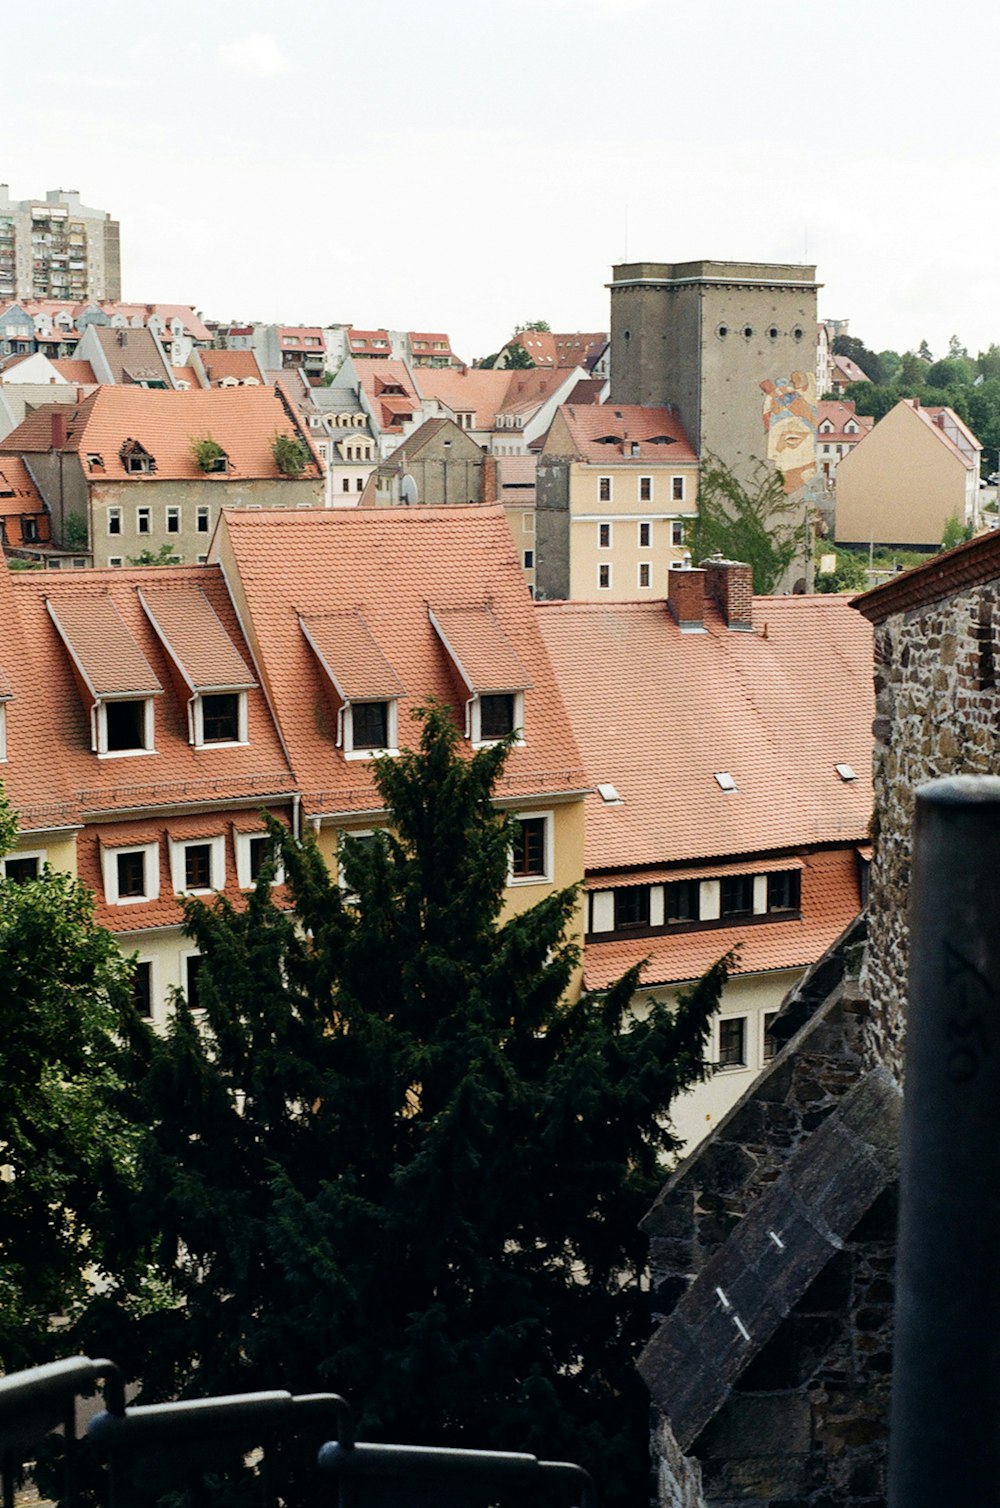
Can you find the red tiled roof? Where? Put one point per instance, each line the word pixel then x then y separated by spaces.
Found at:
pixel 476 390
pixel 350 656
pixel 657 713
pixel 177 772
pixel 242 365
pixel 838 412
pixel 19 498
pixel 388 565
pixel 847 369
pixel 527 391
pixel 105 653
pixel 831 898
pixel 80 372
pixel 190 631
pixel 242 420
pixel 606 432
pixel 35 783
pixel 483 655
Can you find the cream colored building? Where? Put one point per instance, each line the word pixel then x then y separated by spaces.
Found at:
pixel 616 494
pixel 914 470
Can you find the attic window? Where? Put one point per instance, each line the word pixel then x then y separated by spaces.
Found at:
pixel 609 793
pixel 135 458
pixel 725 781
pixel 845 772
pixel 661 440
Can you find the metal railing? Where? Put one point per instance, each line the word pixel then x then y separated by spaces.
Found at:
pixel 151 1449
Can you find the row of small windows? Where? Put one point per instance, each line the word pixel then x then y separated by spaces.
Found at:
pixel 125 725
pixel 748 332
pixel 370 727
pixel 173 518
pixel 733 1044
pixel 693 901
pixel 132 874
pixel 644 534
pixel 605 488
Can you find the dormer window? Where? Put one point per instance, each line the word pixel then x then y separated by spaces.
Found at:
pixel 850 427
pixel 490 668
pixel 208 662
pixel 125 726
pixel 497 716
pixel 118 683
pixel 366 686
pixel 220 718
pixel 136 460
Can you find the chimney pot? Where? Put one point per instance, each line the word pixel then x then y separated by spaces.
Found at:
pixel 730 584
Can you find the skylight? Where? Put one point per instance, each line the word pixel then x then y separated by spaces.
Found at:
pixel 609 793
pixel 845 772
pixel 725 780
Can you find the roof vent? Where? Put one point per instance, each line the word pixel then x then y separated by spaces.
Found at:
pixel 725 781
pixel 845 772
pixel 609 793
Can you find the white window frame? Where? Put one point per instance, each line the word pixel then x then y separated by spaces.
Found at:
pixel 602 525
pixel 645 569
pixel 678 494
pixel 173 511
pixel 196 721
pixel 536 879
pixel 109 868
pixel 611 489
pixel 217 862
pixel 183 982
pixel 392 729
pixel 116 513
pixel 203 519
pixel 242 844
pixel 638 492
pixel 644 525
pixel 115 562
pixel 475 721
pixel 99 729
pixel 350 896
pixel 41 854
pixel 677 533
pixel 604 586
pixel 154 1016
pixel 143 512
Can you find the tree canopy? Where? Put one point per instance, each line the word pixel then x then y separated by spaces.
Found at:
pixel 64 1152
pixel 755 521
pixel 387 1155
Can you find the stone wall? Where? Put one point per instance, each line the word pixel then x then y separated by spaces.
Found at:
pixel 936 705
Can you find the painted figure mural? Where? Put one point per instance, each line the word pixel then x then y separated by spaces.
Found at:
pixel 790 426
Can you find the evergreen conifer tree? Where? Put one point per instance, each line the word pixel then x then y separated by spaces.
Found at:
pixel 386 1157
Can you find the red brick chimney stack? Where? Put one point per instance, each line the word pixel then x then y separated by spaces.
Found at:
pixel 730 584
pixel 686 599
pixel 58 431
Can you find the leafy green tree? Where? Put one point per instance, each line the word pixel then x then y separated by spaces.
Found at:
pixel 849 576
pixel 874 399
pixel 390 1157
pixel 291 455
pixel 753 521
pixel 956 350
pixel 517 357
pixel 988 363
pixel 64 1152
pixel 541 325
pixel 164 556
pixel 924 352
pixel 955 533
pixel 913 370
pixel 857 351
pixel 891 363
pixel 952 371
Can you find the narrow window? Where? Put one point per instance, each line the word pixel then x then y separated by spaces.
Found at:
pixel 645 489
pixel 733 1042
pixel 220 718
pixel 632 907
pixel 604 536
pixel 142 989
pixel 783 890
pixel 737 895
pixel 370 725
pixel 259 849
pixel 682 901
pixel 676 532
pixel 142 523
pixel 192 970
pixel 604 489
pixel 345 484
pixel 203 519
pixel 645 535
pixel 528 858
pixel 198 866
pixel 114 520
pixel 644 573
pixel 173 520
pixel 529 560
pixel 496 716
pixel 677 488
pixel 604 576
pixel 131 875
pixel 770 1041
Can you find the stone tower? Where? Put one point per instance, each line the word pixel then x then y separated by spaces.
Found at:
pixel 733 346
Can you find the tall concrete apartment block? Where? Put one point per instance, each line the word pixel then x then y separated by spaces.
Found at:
pixel 732 345
pixel 57 248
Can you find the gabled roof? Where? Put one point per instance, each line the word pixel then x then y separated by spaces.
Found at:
pixel 847 370
pixel 527 391
pixel 839 412
pixel 476 390
pixel 103 650
pixel 242 420
pixel 35 783
pixel 547 349
pixel 463 447
pixel 80 372
pixel 19 498
pixel 189 629
pixel 482 654
pixel 220 365
pixel 604 433
pixel 133 356
pixel 658 713
pixel 388 566
pixel 346 649
pixel 176 772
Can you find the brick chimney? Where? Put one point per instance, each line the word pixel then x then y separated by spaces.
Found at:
pixel 490 491
pixel 730 584
pixel 686 600
pixel 57 433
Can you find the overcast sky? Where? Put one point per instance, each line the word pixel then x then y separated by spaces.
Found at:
pixel 466 165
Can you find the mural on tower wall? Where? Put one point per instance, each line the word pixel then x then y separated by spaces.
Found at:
pixel 789 410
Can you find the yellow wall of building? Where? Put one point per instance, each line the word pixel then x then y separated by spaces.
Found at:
pixel 900 485
pixel 58 850
pixel 621 516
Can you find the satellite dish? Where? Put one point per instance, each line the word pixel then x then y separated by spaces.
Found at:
pixel 408 490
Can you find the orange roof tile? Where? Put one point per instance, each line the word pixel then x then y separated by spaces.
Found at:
pixel 388 565
pixel 838 412
pixel 35 782
pixel 19 499
pixel 657 713
pixel 80 372
pixel 185 376
pixel 350 656
pixel 243 420
pixel 101 647
pixel 483 655
pixel 475 390
pixel 831 898
pixel 243 365
pixel 189 630
pixel 176 772
pixel 606 432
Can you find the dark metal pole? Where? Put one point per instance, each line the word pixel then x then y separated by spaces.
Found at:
pixel 945 1428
